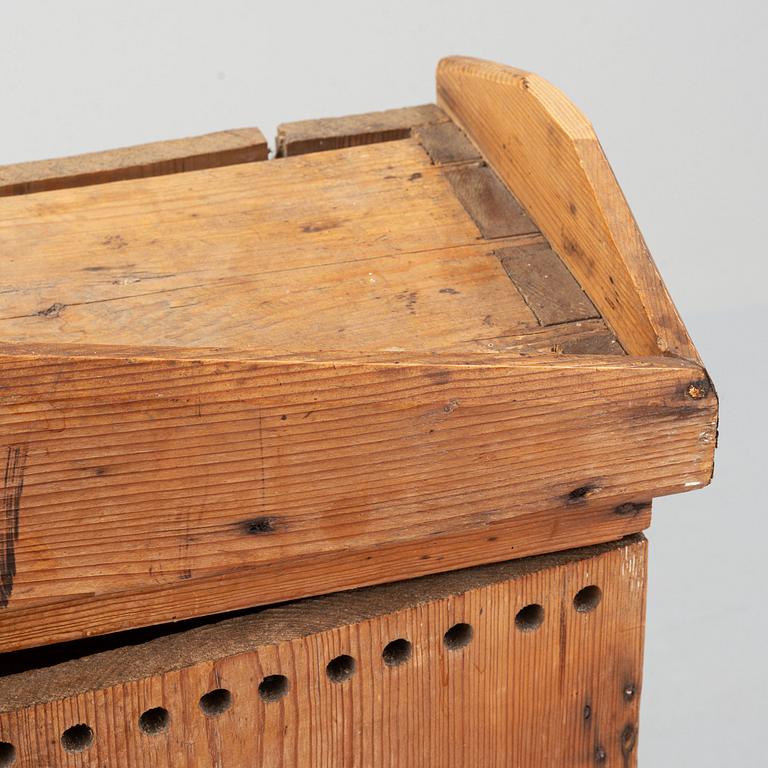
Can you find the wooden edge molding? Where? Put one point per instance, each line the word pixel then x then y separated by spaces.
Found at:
pixel 212 150
pixel 547 153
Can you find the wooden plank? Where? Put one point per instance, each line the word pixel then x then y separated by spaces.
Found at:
pixel 152 472
pixel 370 241
pixel 545 283
pixel 447 143
pixel 211 150
pixel 490 204
pixel 547 153
pixel 320 135
pixel 534 663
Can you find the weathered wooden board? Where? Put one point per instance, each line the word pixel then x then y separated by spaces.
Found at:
pixel 548 155
pixel 144 472
pixel 545 283
pixel 324 134
pixel 362 249
pixel 212 150
pixel 317 367
pixel 533 663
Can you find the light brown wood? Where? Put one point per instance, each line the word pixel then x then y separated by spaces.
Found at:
pixel 563 690
pixel 371 241
pixel 211 150
pixel 547 153
pixel 145 472
pixel 324 134
pixel 249 384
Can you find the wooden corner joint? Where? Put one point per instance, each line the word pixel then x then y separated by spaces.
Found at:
pixel 547 153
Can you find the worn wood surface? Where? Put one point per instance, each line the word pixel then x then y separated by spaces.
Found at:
pixel 324 134
pixel 212 150
pixel 556 688
pixel 545 283
pixel 446 143
pixel 490 204
pixel 317 367
pixel 547 153
pixel 147 472
pixel 370 241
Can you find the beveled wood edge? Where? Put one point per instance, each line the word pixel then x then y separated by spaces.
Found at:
pixel 385 359
pixel 472 91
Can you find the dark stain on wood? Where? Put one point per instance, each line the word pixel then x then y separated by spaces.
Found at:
pixel 699 389
pixel 446 143
pixel 582 493
pixel 492 207
pixel 630 689
pixel 13 485
pixel 631 508
pixel 259 525
pixel 546 284
pixel 53 311
pixel 628 741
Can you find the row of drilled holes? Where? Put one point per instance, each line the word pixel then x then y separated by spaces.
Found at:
pixel 273 687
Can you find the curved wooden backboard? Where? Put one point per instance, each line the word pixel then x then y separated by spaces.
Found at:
pixel 547 153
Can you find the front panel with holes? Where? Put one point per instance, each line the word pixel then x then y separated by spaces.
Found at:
pixel 531 663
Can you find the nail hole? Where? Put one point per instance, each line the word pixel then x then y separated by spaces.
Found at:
pixel 77 738
pixel 155 720
pixel 529 618
pixel 397 652
pixel 7 754
pixel 273 687
pixel 458 636
pixel 216 702
pixel 587 599
pixel 341 668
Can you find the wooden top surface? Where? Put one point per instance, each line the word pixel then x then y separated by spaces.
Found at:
pixel 369 248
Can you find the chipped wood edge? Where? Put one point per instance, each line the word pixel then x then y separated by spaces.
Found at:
pixel 546 151
pixel 211 150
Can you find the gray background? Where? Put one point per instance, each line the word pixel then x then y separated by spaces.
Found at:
pixel 677 94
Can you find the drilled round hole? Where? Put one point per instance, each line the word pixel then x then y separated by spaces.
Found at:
pixel 155 720
pixel 77 738
pixel 529 618
pixel 458 636
pixel 587 599
pixel 273 687
pixel 216 702
pixel 341 668
pixel 397 652
pixel 7 754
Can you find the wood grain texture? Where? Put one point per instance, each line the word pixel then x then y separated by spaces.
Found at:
pixel 490 204
pixel 371 241
pixel 447 143
pixel 564 692
pixel 143 473
pixel 547 153
pixel 545 283
pixel 211 150
pixel 324 134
